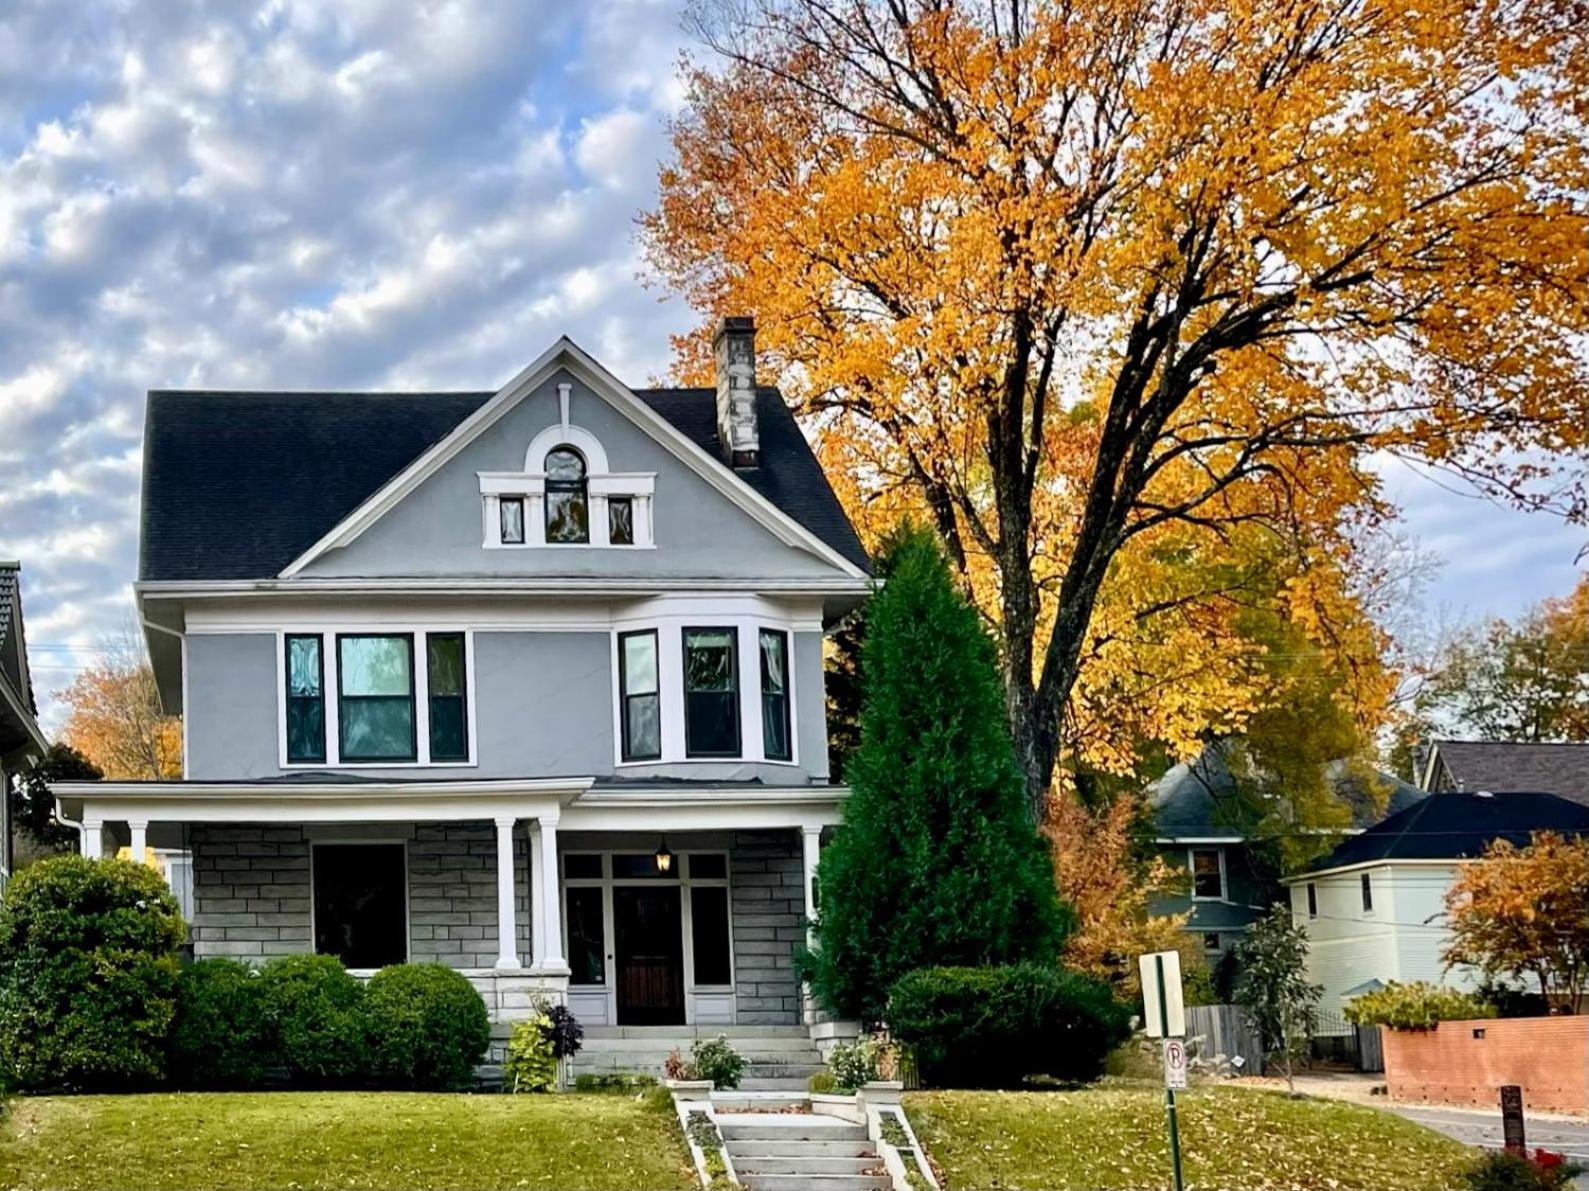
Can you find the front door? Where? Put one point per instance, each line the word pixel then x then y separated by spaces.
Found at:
pixel 647 928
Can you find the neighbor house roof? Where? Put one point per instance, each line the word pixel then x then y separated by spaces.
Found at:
pixel 19 727
pixel 237 485
pixel 1473 765
pixel 1457 826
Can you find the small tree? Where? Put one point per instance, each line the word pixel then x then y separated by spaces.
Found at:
pixel 936 863
pixel 33 806
pixel 1273 987
pixel 1525 912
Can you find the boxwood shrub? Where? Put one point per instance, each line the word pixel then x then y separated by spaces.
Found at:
pixel 427 1027
pixel 996 1027
pixel 88 974
pixel 314 1011
pixel 220 1038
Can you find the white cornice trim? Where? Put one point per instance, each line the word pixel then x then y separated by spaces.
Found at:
pixel 495 585
pixel 321 791
pixel 566 354
pixel 1433 862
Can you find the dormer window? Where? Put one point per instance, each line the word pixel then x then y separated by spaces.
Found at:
pixel 620 520
pixel 567 497
pixel 511 520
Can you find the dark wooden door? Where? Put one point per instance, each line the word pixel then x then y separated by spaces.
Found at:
pixel 649 938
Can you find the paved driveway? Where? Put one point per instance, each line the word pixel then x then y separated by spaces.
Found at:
pixel 1479 1128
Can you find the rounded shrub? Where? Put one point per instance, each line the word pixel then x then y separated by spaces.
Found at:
pixel 220 1038
pixel 314 1012
pixel 996 1027
pixel 88 974
pixel 427 1027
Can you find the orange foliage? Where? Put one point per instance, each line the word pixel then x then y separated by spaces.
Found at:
pixel 116 721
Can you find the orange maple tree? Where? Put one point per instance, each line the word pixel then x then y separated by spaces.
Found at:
pixel 116 721
pixel 1102 288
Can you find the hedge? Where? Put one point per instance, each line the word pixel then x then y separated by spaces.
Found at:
pixel 427 1027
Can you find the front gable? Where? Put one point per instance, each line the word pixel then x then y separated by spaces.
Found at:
pixel 694 517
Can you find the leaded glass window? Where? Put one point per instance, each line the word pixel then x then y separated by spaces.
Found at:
pixel 306 699
pixel 510 511
pixel 567 498
pixel 620 520
pixel 375 704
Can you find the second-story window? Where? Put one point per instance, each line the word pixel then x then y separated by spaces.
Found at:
pixel 641 696
pixel 510 511
pixel 711 693
pixel 306 699
pixel 449 712
pixel 1368 894
pixel 1208 874
pixel 375 697
pixel 567 498
pixel 775 695
pixel 620 520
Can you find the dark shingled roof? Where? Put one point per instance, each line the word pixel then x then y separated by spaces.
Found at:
pixel 238 484
pixel 1474 765
pixel 1455 826
pixel 13 658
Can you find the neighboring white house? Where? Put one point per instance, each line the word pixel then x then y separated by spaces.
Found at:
pixel 1374 908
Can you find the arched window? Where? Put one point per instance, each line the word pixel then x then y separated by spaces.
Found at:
pixel 567 500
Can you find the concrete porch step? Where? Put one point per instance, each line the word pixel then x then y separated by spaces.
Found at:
pixel 784 1148
pixel 601 1044
pixel 698 1031
pixel 785 1082
pixel 789 1127
pixel 816 1182
pixel 759 1099
pixel 747 1165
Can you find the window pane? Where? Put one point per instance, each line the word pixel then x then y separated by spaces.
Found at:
pixel 360 914
pixel 449 734
pixel 376 665
pixel 1368 894
pixel 303 666
pixel 633 866
pixel 567 518
pixel 581 864
pixel 446 663
pixel 642 728
pixel 620 520
pixel 775 695
pixel 377 729
pixel 711 701
pixel 774 679
pixel 512 516
pixel 708 866
pixel 565 463
pixel 640 663
pixel 709 930
pixel 586 940
pixel 306 729
pixel 708 659
pixel 1205 874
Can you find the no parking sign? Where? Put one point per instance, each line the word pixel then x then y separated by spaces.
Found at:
pixel 1174 1063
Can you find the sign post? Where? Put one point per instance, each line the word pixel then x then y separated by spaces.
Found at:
pixel 1165 1015
pixel 1512 1118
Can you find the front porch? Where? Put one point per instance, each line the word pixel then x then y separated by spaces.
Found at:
pixel 656 907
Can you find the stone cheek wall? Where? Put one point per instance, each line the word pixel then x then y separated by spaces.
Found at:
pixel 767 902
pixel 1468 1062
pixel 251 896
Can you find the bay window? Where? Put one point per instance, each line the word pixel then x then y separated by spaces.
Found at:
pixel 776 745
pixel 449 712
pixel 375 697
pixel 711 693
pixel 640 696
pixel 306 699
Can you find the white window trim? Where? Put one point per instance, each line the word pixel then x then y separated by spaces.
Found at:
pixel 328 635
pixel 685 882
pixel 1224 887
pixel 670 631
pixel 317 840
pixel 601 484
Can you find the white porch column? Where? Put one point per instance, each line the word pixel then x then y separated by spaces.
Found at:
pixel 552 951
pixel 507 926
pixel 537 899
pixel 139 828
pixel 810 852
pixel 92 837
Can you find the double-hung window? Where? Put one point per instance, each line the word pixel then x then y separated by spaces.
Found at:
pixel 375 697
pixel 711 693
pixel 1208 874
pixel 448 707
pixel 776 745
pixel 306 699
pixel 640 696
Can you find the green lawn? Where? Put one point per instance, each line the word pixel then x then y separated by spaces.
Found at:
pixel 1114 1136
pixel 278 1140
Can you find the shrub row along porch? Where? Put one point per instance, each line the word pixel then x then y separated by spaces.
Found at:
pixel 635 907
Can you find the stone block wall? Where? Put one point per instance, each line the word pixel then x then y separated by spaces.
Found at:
pixel 251 892
pixel 767 900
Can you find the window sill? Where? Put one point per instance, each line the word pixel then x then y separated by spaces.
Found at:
pixel 312 766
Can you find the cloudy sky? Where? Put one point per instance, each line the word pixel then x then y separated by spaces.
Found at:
pixel 357 193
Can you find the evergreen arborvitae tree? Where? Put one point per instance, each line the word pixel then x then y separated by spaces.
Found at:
pixel 937 862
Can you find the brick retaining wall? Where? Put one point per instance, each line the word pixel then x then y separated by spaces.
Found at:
pixel 1467 1062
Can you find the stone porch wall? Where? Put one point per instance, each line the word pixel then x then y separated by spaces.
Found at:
pixel 251 896
pixel 767 901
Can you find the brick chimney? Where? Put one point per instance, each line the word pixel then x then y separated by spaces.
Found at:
pixel 734 350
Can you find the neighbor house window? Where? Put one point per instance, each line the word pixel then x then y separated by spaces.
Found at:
pixel 639 696
pixel 620 520
pixel 449 711
pixel 510 512
pixel 775 695
pixel 1368 895
pixel 567 501
pixel 361 903
pixel 1313 900
pixel 306 699
pixel 1208 875
pixel 711 693
pixel 1211 940
pixel 375 697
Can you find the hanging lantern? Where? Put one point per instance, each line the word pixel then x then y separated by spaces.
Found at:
pixel 664 857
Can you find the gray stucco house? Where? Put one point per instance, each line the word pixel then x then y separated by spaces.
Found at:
pixel 527 682
pixel 21 741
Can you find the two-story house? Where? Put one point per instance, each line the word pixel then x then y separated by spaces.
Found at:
pixel 21 742
pixel 528 682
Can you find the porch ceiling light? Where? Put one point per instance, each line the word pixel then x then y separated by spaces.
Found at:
pixel 664 857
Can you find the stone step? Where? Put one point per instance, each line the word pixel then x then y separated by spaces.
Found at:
pixel 759 1099
pixel 795 1148
pixel 755 1081
pixel 609 1059
pixel 791 1076
pixel 787 1127
pixel 683 1042
pixel 746 1164
pixel 816 1182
